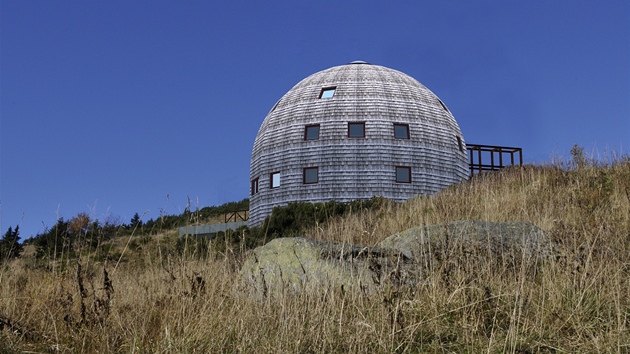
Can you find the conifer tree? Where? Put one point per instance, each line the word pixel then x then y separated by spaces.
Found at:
pixel 135 221
pixel 10 246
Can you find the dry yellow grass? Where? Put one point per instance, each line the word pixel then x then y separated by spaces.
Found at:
pixel 160 301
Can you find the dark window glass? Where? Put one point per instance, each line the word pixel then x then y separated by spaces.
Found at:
pixel 460 143
pixel 401 131
pixel 311 175
pixel 403 174
pixel 254 186
pixel 356 130
pixel 311 132
pixel 327 92
pixel 274 180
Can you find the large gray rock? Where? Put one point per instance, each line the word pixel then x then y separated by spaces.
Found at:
pixel 401 260
pixel 513 239
pixel 471 247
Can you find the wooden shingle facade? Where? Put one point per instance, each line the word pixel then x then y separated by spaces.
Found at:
pixel 351 132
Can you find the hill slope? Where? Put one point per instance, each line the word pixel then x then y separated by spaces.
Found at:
pixel 166 294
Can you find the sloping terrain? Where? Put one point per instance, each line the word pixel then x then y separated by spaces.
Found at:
pixel 164 294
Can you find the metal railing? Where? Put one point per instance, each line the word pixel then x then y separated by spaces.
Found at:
pixel 478 156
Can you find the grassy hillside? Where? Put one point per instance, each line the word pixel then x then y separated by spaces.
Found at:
pixel 164 294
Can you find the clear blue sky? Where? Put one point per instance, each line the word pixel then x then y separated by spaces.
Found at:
pixel 117 107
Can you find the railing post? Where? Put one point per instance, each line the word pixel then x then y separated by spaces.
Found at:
pixel 479 160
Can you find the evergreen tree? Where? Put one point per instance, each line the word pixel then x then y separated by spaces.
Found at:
pixel 54 241
pixel 10 246
pixel 135 221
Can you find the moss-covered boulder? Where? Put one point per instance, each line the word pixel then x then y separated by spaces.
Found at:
pixel 296 264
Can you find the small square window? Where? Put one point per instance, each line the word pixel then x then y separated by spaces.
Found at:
pixel 403 174
pixel 327 92
pixel 311 175
pixel 274 180
pixel 356 130
pixel 401 131
pixel 254 186
pixel 311 132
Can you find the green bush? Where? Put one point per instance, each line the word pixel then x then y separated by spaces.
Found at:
pixel 291 220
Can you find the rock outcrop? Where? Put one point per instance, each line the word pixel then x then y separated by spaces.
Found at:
pixel 291 265
pixel 503 239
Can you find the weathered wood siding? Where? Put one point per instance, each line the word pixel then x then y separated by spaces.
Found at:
pixel 355 168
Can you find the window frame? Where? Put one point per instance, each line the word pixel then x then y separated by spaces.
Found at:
pixel 356 123
pixel 408 136
pixel 255 186
pixel 316 168
pixel 460 143
pixel 306 129
pixel 408 168
pixel 271 184
pixel 325 90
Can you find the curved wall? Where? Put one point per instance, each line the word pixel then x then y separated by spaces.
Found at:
pixel 411 143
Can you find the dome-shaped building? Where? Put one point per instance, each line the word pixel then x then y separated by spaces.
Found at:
pixel 352 132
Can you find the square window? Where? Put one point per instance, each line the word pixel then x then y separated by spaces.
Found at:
pixel 274 180
pixel 403 174
pixel 401 131
pixel 254 186
pixel 356 130
pixel 327 92
pixel 311 175
pixel 311 132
